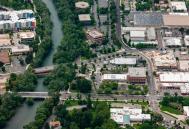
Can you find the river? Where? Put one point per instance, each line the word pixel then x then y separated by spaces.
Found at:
pixel 26 114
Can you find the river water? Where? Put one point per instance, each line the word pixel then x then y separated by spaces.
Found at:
pixel 26 114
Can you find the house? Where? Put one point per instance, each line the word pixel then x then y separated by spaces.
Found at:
pixel 55 125
pixel 20 49
pixel 95 36
pixel 85 18
pixel 26 37
pixel 4 57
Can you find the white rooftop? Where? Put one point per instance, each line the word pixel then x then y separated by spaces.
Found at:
pixel 184 65
pixel 174 77
pixel 186 40
pixel 114 77
pixel 140 34
pixel 185 88
pixel 132 114
pixel 137 71
pixel 172 41
pixel 186 110
pixel 178 5
pixel 121 61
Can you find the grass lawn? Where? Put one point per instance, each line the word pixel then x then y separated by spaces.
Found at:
pixel 69 103
pixel 171 110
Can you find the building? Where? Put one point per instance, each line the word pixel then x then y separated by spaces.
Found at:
pixel 124 61
pixel 20 49
pixel 85 18
pixel 174 77
pixel 95 36
pixel 114 77
pixel 3 81
pixel 186 40
pixel 184 89
pixel 176 21
pixel 172 41
pixel 55 125
pixel 151 34
pixel 126 115
pixel 148 19
pixel 81 5
pixel 16 20
pixel 186 110
pixel 5 40
pixel 137 35
pixel 136 75
pixel 26 37
pixel 4 57
pixel 178 6
pixel 163 60
pixel 183 65
pixel 126 30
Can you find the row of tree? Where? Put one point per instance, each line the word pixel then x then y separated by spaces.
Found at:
pixel 73 44
pixel 22 82
pixel 9 102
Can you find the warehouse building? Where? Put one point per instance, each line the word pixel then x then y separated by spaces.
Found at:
pixel 151 34
pixel 136 75
pixel 137 35
pixel 172 41
pixel 114 77
pixel 176 21
pixel 124 61
pixel 126 115
pixel 148 19
pixel 16 20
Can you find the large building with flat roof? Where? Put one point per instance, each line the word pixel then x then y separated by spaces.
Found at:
pixel 15 20
pixel 126 115
pixel 148 19
pixel 136 75
pixel 178 6
pixel 124 61
pixel 114 77
pixel 176 21
pixel 26 37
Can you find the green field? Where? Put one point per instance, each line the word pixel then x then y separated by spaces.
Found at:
pixel 171 110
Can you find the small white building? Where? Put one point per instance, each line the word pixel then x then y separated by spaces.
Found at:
pixel 126 115
pixel 178 6
pixel 186 110
pixel 186 40
pixel 122 61
pixel 172 41
pixel 81 5
pixel 114 77
pixel 137 35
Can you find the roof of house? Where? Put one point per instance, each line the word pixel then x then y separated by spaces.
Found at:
pixel 84 17
pixel 4 57
pixel 81 5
